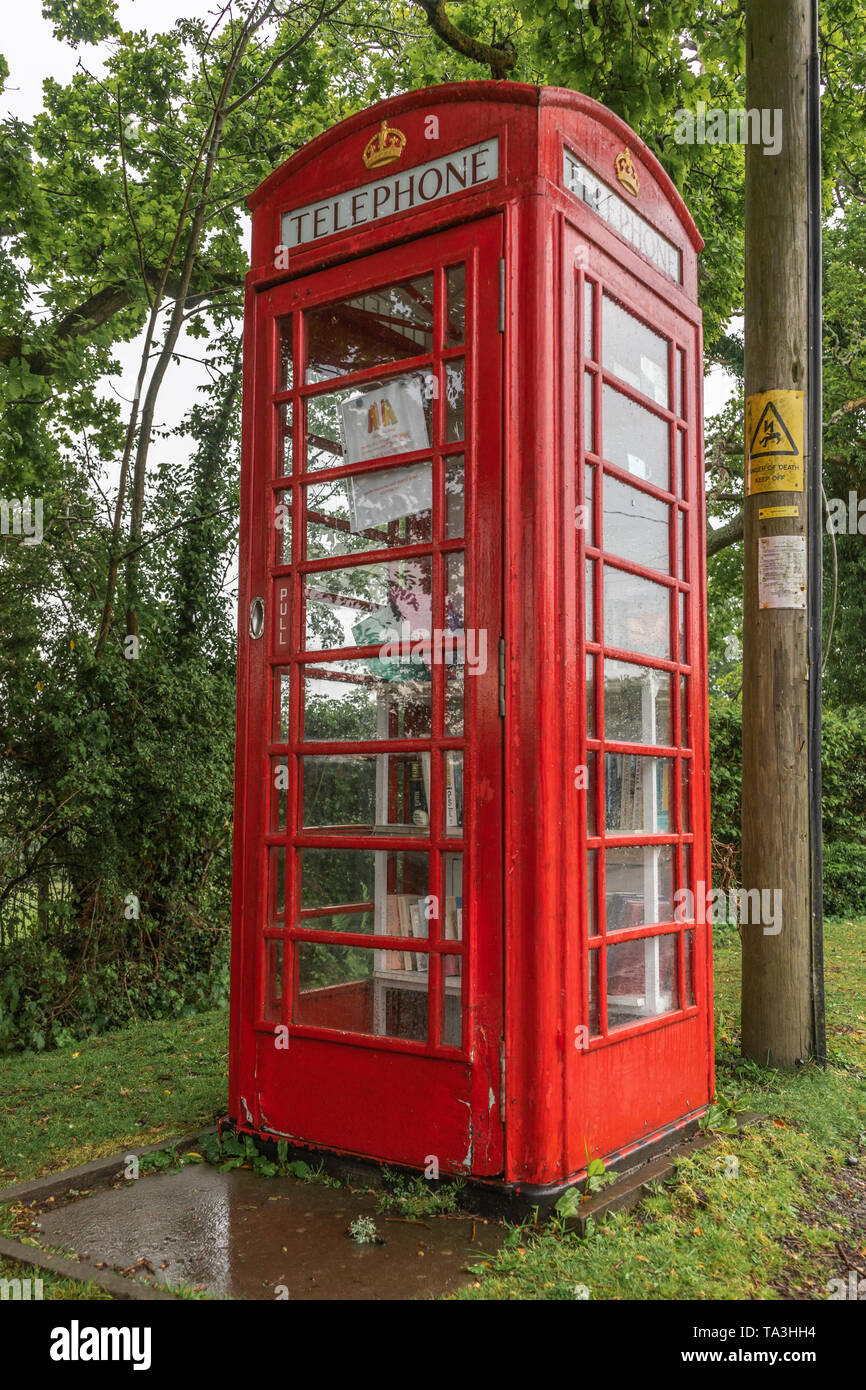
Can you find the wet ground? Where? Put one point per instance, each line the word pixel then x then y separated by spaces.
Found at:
pixel 246 1236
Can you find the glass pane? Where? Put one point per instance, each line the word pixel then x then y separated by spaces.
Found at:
pixel 590 697
pixel 364 890
pixel 687 867
pixel 634 438
pixel 685 796
pixel 594 1017
pixel 589 503
pixel 455 499
pixel 633 352
pixel 370 605
pixel 682 549
pixel 366 792
pixel 452 965
pixel 455 592
pixel 636 526
pixel 684 712
pixel 355 990
pixel 641 979
pixel 385 508
pixel 287 375
pixel 689 944
pixel 588 319
pixel 455 284
pixel 455 404
pixel 283 526
pixel 284 439
pixel 452 792
pixel 637 793
pixel 452 1002
pixel 370 329
pixel 591 794
pixel 273 979
pixel 384 419
pixel 637 614
pixel 684 654
pixel 681 463
pixel 637 703
pixel 639 886
pixel 343 700
pixel 589 596
pixel 279 793
pixel 679 383
pixel 276 884
pixel 454 697
pixel 589 413
pixel 281 706
pixel 591 910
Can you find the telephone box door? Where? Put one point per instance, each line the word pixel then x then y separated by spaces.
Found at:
pixel 369 863
pixel 635 367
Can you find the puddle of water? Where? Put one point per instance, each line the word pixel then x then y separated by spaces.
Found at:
pixel 238 1234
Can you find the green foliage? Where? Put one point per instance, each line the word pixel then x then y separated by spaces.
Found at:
pixel 417 1197
pixel 844 803
pixel 117 778
pixel 228 1151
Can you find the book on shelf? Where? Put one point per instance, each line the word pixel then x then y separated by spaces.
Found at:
pixel 663 794
pixel 420 930
pixel 453 932
pixel 405 916
pixel 453 790
pixel 393 927
pixel 419 791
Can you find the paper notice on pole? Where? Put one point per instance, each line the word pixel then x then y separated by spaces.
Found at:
pixel 782 572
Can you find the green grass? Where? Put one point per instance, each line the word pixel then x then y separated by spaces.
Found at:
pixel 152 1082
pixel 706 1234
pixel 121 1090
pixel 709 1234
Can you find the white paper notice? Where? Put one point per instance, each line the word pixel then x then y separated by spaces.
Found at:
pixel 387 494
pixel 388 419
pixel 782 572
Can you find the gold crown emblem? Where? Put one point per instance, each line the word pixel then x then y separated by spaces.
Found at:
pixel 386 144
pixel 626 172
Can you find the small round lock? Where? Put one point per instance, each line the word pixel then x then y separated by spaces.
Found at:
pixel 257 617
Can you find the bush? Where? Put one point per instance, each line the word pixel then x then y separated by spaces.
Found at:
pixel 844 802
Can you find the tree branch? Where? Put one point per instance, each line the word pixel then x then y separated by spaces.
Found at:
pixel 720 537
pixel 499 57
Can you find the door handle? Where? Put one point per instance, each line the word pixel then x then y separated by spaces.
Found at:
pixel 257 617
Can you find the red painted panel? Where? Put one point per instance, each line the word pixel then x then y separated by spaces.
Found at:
pixel 383 1104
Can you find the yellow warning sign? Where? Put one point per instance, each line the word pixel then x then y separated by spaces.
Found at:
pixel 774 442
pixel 768 513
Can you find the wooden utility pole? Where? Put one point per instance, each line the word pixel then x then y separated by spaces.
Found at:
pixel 778 1014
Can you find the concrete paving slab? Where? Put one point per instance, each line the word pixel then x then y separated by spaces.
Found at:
pixel 245 1236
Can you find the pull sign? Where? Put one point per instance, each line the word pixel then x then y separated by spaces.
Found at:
pixel 257 617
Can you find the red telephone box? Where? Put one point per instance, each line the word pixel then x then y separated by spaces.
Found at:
pixel 472 724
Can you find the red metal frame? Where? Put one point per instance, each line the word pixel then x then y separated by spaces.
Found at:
pixel 527 825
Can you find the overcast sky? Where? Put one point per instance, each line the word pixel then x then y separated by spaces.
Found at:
pixel 34 54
